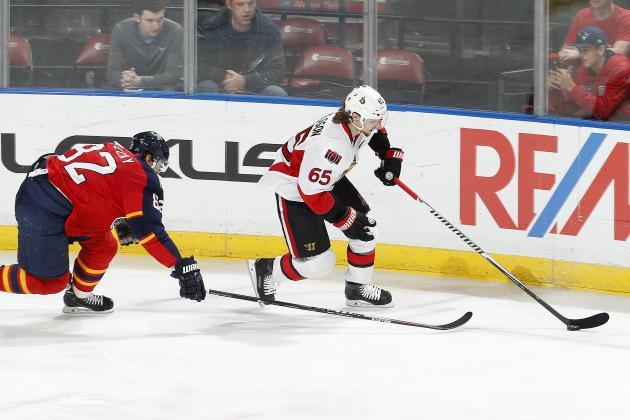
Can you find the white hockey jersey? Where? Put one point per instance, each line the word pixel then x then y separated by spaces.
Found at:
pixel 310 163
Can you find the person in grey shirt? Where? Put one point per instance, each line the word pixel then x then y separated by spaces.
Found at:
pixel 146 50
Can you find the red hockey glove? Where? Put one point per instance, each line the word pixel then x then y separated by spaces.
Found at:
pixel 390 166
pixel 356 225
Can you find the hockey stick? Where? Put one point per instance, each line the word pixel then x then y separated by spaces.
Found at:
pixel 572 324
pixel 461 321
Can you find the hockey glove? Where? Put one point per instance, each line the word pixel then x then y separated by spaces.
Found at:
pixel 190 280
pixel 125 235
pixel 356 225
pixel 390 166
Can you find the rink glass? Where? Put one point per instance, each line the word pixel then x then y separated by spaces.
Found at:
pixel 473 54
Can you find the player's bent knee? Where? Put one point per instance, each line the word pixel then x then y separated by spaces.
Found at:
pixel 318 266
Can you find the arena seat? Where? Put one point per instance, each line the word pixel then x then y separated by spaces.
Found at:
pixel 352 34
pixel 92 58
pixel 401 76
pixel 20 61
pixel 322 71
pixel 282 4
pixel 301 32
pixel 297 34
pixel 350 6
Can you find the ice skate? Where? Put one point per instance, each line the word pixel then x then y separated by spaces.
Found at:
pixel 367 295
pixel 261 273
pixel 90 305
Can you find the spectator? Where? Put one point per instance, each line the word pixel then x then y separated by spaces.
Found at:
pixel 240 50
pixel 600 84
pixel 146 50
pixel 612 19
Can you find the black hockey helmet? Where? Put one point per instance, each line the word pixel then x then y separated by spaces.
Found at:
pixel 150 142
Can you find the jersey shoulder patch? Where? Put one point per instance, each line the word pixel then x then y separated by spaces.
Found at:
pixel 332 156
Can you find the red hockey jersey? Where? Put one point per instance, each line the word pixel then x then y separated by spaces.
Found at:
pixel 105 182
pixel 616 27
pixel 600 95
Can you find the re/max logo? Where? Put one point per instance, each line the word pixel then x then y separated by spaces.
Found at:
pixel 613 173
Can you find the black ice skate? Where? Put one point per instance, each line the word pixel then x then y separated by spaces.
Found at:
pixel 91 305
pixel 261 273
pixel 367 295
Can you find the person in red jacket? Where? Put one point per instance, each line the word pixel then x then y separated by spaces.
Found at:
pixel 611 18
pixel 598 88
pixel 80 196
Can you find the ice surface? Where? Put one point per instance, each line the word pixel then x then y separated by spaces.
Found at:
pixel 162 357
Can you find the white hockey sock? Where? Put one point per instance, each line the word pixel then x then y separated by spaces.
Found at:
pixel 80 293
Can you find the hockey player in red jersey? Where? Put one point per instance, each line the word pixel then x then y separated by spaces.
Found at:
pixel 80 196
pixel 308 178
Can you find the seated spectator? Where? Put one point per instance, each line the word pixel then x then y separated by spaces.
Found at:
pixel 612 19
pixel 240 50
pixel 146 50
pixel 600 85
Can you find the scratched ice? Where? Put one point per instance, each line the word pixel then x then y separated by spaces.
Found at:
pixel 162 357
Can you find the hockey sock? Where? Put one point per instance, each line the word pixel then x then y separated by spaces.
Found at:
pixel 84 277
pixel 284 269
pixel 17 280
pixel 360 266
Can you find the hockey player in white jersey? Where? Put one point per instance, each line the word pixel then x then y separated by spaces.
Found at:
pixel 308 178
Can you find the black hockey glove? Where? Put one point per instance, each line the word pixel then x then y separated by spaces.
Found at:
pixel 125 235
pixel 190 280
pixel 355 225
pixel 390 166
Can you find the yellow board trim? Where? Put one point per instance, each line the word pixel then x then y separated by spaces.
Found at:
pixel 23 285
pixel 89 270
pixel 429 261
pixel 5 279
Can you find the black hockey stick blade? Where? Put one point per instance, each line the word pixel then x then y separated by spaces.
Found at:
pixel 588 322
pixel 457 323
pixel 572 324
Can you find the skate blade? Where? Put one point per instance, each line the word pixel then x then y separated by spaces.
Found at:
pixel 71 310
pixel 252 276
pixel 364 304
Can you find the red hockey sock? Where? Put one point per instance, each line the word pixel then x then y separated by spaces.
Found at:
pixel 17 280
pixel 288 269
pixel 84 277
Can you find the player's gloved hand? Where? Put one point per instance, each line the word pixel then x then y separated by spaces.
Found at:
pixel 125 235
pixel 190 280
pixel 356 225
pixel 390 166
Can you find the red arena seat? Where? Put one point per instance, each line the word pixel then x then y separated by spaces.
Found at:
pixel 92 58
pixel 20 61
pixel 301 33
pixel 401 76
pixel 282 4
pixel 323 71
pixel 352 6
pixel 95 51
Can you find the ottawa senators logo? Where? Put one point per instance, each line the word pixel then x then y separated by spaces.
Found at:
pixel 333 157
